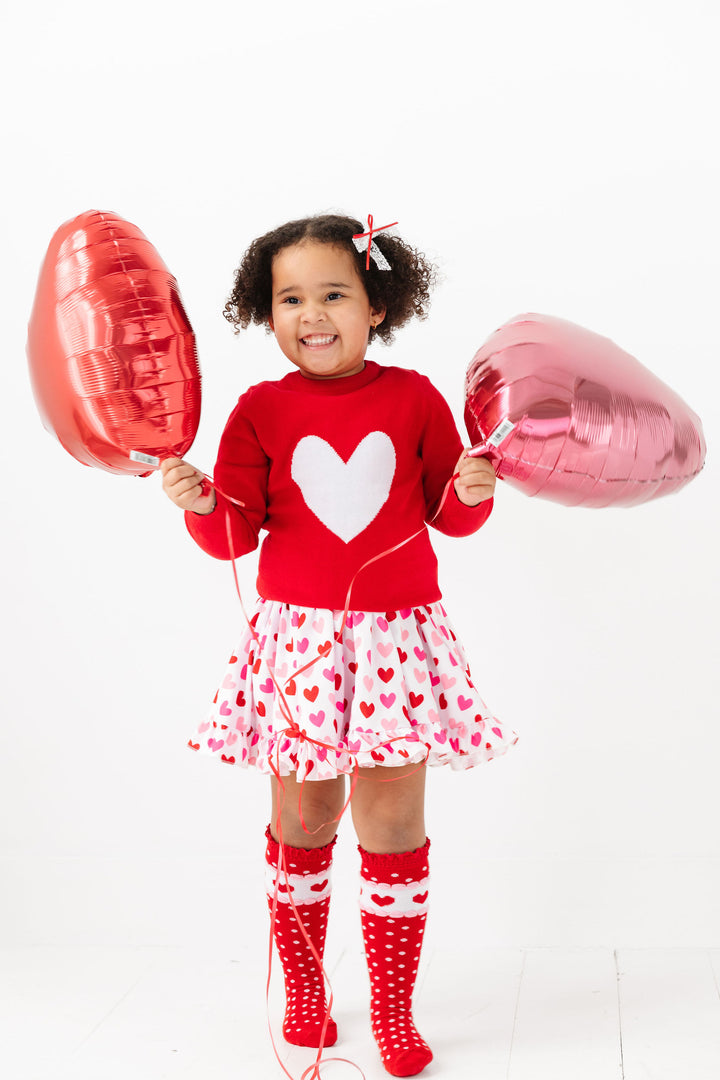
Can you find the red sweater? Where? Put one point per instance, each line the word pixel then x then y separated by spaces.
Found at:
pixel 337 471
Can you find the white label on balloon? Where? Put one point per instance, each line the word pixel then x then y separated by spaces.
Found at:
pixel 144 459
pixel 501 432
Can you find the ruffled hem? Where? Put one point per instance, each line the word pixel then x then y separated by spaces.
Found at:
pixel 394 689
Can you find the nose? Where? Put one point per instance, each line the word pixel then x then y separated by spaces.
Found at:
pixel 313 312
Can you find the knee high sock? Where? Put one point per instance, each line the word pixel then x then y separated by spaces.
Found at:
pixel 308 873
pixel 393 907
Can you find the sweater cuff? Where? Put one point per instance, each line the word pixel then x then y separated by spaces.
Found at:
pixel 209 531
pixel 457 519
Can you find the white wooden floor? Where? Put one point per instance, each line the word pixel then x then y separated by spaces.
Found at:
pixel 532 1014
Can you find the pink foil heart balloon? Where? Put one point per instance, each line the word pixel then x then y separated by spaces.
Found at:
pixel 112 354
pixel 564 413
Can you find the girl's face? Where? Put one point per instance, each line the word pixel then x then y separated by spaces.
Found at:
pixel 321 315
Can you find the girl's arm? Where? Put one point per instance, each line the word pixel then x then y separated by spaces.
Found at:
pixel 241 474
pixel 442 456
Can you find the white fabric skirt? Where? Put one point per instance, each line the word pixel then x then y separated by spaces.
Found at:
pixel 393 690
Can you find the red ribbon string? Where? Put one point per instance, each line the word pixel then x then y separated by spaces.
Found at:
pixel 360 236
pixel 293 730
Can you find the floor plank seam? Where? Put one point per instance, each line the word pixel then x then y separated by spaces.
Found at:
pixel 515 1016
pixel 619 1005
pixel 715 973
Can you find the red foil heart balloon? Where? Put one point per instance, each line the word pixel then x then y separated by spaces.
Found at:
pixel 112 354
pixel 566 414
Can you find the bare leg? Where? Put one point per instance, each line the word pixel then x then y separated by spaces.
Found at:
pixel 388 809
pixel 321 802
pixel 305 877
pixel 390 823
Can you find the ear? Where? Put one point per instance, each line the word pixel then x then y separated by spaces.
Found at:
pixel 377 315
pixel 271 324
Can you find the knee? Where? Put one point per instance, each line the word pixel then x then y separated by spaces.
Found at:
pixel 309 821
pixel 385 826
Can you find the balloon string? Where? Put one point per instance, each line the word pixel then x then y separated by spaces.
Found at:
pixel 313 1071
pixel 295 731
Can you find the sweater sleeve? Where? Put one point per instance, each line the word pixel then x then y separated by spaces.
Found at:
pixel 241 473
pixel 440 449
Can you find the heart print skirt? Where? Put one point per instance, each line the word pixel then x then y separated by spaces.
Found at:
pixel 394 690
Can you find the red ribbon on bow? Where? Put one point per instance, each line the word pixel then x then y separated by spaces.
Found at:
pixel 369 234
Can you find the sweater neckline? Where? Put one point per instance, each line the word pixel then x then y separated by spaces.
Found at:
pixel 300 383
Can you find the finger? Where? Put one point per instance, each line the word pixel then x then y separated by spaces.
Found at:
pixel 170 463
pixel 478 467
pixel 189 486
pixel 180 474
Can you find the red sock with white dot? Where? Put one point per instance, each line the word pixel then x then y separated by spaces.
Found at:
pixel 393 907
pixel 308 877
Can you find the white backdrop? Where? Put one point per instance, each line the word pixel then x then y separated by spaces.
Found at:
pixel 550 160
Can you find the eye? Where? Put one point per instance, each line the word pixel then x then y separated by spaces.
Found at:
pixel 291 300
pixel 335 296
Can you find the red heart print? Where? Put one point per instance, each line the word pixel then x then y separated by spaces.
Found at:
pixel 338 680
pixel 290 688
pixel 416 699
pixel 442 701
pixel 240 699
pixel 376 755
pixel 353 667
pixel 382 901
pixel 289 646
pixel 325 647
pixel 233 660
pixel 402 654
pixel 228 760
pixel 386 674
pixel 312 693
pixel 420 898
pixel 257 665
pixel 319 887
pixel 367 709
pixel 391 615
pixel 194 745
pixel 260 708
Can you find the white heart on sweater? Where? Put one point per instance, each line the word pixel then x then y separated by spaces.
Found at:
pixel 345 495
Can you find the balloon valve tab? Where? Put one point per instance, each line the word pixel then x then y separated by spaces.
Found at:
pixel 497 436
pixel 144 459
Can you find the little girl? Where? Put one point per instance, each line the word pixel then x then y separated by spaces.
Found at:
pixel 340 461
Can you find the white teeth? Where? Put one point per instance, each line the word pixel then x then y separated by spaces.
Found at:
pixel 318 339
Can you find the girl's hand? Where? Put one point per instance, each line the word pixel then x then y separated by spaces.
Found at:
pixel 476 481
pixel 183 483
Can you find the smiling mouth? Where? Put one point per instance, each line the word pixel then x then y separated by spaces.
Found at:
pixel 316 341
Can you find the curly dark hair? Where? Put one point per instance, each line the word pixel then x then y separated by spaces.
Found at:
pixel 404 291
